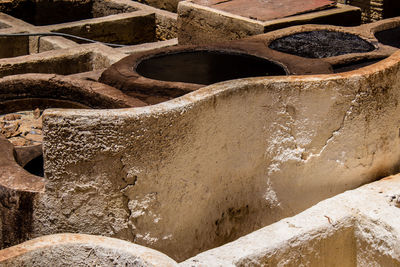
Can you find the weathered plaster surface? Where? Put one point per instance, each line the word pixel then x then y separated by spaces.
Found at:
pixel 204 169
pixel 83 58
pixel 81 250
pixel 356 228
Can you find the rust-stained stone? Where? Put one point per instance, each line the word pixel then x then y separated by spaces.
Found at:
pixel 30 91
pixel 266 9
pixel 18 188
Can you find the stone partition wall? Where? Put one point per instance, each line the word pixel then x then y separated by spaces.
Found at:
pixel 201 170
pixel 357 228
pixel 114 21
pixel 373 10
pixel 203 22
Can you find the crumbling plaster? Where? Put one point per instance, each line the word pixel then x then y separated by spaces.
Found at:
pixel 196 172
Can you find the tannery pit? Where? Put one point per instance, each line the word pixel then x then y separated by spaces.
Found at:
pixel 389 37
pixel 229 133
pixel 206 67
pixel 321 44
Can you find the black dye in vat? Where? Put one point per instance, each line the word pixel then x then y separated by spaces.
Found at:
pixel 321 44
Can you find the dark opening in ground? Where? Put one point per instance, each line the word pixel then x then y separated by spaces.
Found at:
pixel 354 65
pixel 206 67
pixel 391 8
pixel 321 44
pixel 39 13
pixel 35 166
pixel 389 37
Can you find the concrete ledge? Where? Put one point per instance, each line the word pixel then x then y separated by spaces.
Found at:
pixel 356 228
pixel 78 250
pixel 90 94
pixel 62 61
pixel 126 29
pixel 154 24
pixel 203 25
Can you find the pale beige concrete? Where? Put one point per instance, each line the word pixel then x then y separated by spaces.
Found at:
pixel 232 157
pixel 196 172
pixel 356 228
pixel 81 250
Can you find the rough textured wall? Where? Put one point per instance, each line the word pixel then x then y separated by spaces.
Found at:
pixel 170 5
pixel 371 10
pixel 356 228
pixel 195 172
pixel 199 24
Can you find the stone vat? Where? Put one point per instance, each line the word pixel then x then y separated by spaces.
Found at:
pixel 274 147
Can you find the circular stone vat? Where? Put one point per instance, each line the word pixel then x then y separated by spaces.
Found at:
pixel 23 98
pixel 21 124
pixel 389 37
pixel 163 74
pixel 321 44
pixel 206 67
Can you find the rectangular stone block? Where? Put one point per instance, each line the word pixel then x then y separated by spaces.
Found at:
pixel 199 23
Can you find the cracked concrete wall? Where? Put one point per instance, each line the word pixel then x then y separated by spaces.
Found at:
pixel 196 172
